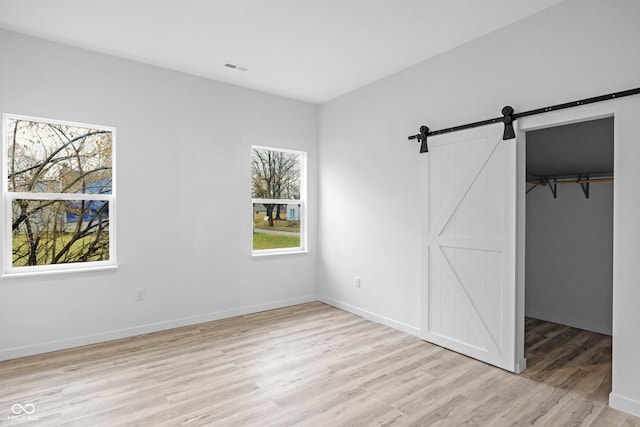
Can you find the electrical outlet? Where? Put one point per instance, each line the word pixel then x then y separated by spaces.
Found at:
pixel 140 295
pixel 357 280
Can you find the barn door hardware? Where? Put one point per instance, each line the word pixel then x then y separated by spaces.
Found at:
pixel 422 139
pixel 509 116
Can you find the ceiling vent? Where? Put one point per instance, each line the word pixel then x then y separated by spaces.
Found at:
pixel 235 67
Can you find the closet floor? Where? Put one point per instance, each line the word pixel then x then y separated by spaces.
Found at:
pixel 570 360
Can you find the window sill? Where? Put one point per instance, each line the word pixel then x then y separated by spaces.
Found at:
pixel 56 272
pixel 277 253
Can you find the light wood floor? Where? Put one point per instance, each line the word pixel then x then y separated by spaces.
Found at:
pixel 311 365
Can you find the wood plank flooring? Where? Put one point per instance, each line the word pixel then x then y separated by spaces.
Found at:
pixel 310 365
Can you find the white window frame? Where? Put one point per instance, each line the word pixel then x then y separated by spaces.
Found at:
pixel 8 197
pixel 302 201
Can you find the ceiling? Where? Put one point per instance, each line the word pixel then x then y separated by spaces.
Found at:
pixel 311 50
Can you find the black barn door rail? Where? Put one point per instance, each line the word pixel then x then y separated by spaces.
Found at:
pixel 508 116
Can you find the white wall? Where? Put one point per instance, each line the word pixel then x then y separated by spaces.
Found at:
pixel 177 132
pixel 569 256
pixel 183 150
pixel 369 173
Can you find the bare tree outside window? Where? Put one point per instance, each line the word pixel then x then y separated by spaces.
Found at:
pixel 276 193
pixel 60 185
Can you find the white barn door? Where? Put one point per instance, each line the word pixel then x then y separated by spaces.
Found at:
pixel 468 186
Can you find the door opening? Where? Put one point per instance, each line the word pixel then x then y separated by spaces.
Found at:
pixel 568 298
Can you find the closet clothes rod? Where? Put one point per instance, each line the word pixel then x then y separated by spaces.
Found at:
pixel 570 181
pixel 553 183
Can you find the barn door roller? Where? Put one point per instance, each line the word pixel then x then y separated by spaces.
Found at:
pixel 422 139
pixel 509 116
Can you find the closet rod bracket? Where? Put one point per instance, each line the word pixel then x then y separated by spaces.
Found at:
pixel 553 187
pixel 584 185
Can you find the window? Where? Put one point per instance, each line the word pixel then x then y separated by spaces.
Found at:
pixel 278 185
pixel 58 195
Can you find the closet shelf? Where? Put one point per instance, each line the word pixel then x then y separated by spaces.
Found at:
pixel 583 179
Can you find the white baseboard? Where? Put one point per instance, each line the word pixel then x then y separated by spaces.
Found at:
pixel 409 329
pixel 569 321
pixel 46 347
pixel 623 404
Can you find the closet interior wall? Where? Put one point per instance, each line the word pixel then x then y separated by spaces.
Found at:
pixel 569 237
